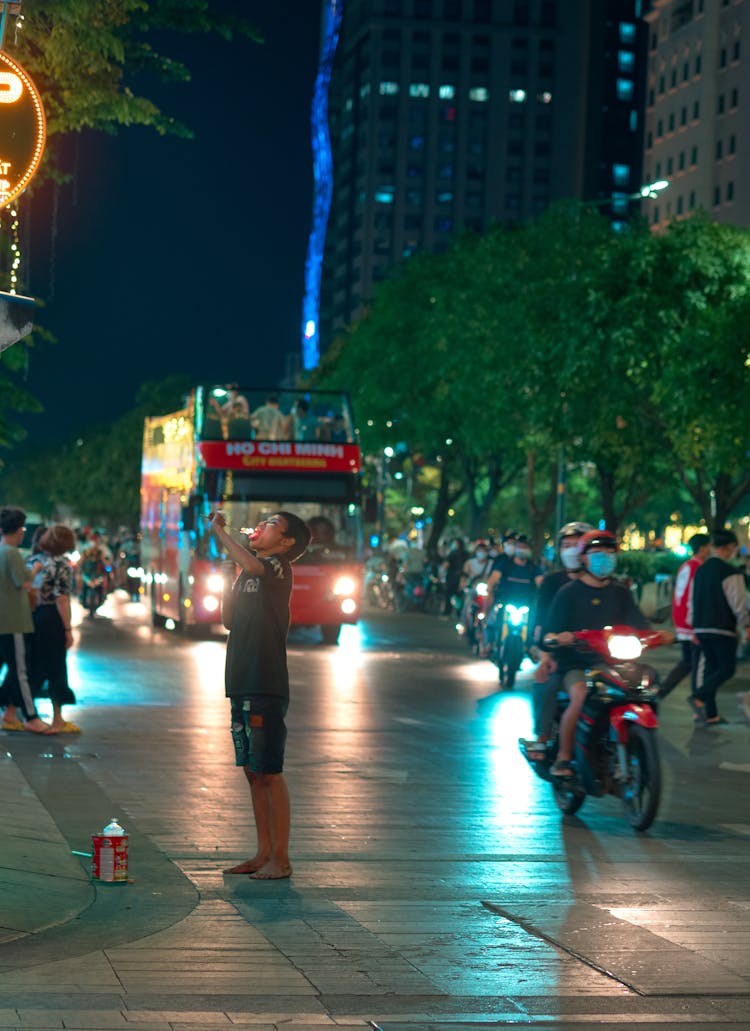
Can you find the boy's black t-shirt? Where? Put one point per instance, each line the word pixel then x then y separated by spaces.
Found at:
pixel 578 606
pixel 256 648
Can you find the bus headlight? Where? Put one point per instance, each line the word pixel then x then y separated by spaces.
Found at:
pixel 344 585
pixel 210 603
pixel 348 606
pixel 215 582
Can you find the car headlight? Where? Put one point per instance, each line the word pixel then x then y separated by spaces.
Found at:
pixel 215 582
pixel 344 585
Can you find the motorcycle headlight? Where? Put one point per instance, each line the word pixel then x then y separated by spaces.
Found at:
pixel 516 614
pixel 625 646
pixel 344 585
pixel 481 589
pixel 215 582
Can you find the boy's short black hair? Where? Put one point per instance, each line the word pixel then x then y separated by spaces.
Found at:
pixel 698 541
pixel 724 537
pixel 297 529
pixel 11 519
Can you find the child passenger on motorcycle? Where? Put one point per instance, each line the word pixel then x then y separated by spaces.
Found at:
pixel 592 602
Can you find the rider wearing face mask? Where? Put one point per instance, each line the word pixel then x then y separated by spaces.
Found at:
pixel 591 602
pixel 514 578
pixel 545 676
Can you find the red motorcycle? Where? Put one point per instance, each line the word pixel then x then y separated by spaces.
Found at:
pixel 616 750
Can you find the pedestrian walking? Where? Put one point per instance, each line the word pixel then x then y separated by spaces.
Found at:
pixel 718 611
pixel 700 545
pixel 16 627
pixel 53 633
pixel 255 610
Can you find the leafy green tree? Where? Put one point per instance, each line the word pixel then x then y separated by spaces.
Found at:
pixel 700 380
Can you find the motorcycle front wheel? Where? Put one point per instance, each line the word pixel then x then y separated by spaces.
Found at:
pixel 642 790
pixel 512 657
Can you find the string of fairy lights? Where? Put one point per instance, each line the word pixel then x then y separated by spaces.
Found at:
pixel 12 221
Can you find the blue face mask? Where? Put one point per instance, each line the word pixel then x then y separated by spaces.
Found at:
pixel 602 563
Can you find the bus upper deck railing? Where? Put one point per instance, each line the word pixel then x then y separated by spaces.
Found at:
pixel 237 413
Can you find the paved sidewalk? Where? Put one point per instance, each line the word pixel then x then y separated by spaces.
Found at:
pixel 411 904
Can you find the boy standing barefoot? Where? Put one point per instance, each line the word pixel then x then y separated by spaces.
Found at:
pixel 255 610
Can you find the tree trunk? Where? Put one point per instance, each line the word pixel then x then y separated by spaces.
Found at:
pixel 539 512
pixel 446 499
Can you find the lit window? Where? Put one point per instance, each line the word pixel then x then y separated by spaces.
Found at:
pixel 480 93
pixel 517 96
pixel 625 89
pixel 388 89
pixel 633 121
pixel 364 90
pixel 447 92
pixel 545 97
pixel 445 198
pixel 419 89
pixel 384 195
pixel 349 104
pixel 626 61
pixel 627 32
pixel 621 174
pixel 416 143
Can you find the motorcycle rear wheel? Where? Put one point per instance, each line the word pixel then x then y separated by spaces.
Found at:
pixel 642 791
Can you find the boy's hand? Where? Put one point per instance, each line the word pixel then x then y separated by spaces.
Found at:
pixel 217 519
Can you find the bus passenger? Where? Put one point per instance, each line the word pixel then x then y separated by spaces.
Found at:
pixel 268 420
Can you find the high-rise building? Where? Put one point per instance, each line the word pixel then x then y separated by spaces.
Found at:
pixel 696 80
pixel 453 114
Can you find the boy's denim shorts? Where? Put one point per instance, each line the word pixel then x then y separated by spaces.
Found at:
pixel 259 732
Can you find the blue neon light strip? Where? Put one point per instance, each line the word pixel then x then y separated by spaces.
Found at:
pixel 323 185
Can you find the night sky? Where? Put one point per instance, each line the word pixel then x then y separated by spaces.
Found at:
pixel 183 256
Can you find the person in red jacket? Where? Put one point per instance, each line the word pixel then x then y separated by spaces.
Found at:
pixel 700 545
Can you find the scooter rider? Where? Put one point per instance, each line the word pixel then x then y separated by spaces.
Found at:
pixel 592 602
pixel 546 680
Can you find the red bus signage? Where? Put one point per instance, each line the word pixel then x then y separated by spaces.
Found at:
pixel 279 455
pixel 22 129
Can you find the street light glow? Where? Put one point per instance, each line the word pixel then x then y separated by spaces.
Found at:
pixel 652 189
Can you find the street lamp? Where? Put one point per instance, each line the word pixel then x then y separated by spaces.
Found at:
pixel 651 190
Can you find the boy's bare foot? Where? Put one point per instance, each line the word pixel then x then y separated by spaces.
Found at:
pixel 272 871
pixel 249 866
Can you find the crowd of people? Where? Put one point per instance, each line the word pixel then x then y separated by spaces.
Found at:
pixel 36 629
pixel 233 418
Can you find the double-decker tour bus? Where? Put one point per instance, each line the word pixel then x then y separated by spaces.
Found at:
pixel 251 452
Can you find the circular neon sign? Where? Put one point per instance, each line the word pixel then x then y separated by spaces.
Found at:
pixel 22 129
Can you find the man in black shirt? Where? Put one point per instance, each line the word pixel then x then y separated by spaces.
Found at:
pixel 255 610
pixel 590 603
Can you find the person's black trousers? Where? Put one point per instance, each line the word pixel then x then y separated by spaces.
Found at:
pixel 716 665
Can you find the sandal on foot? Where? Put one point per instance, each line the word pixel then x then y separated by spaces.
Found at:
pixel 699 709
pixel 535 751
pixel 563 768
pixel 716 721
pixel 12 725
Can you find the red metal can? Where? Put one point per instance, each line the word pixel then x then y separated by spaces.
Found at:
pixel 109 861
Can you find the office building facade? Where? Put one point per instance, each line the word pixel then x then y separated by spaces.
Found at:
pixel 450 115
pixel 696 80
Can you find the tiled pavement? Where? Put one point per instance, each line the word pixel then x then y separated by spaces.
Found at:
pixel 414 903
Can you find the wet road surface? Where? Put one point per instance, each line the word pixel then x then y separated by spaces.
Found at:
pixel 435 881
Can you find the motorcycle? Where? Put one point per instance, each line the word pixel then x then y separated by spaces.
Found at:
pixel 92 595
pixel 506 631
pixel 616 751
pixel 378 586
pixel 473 614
